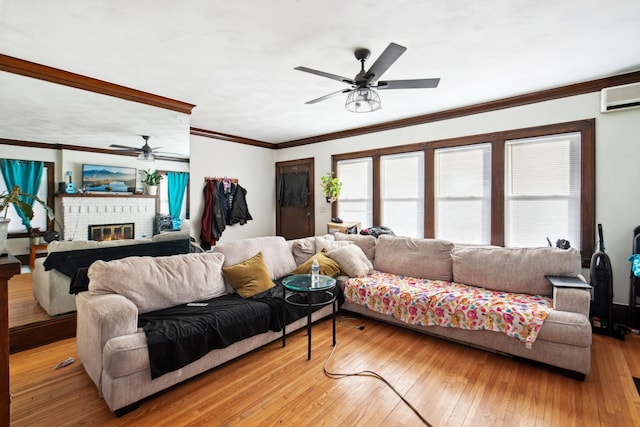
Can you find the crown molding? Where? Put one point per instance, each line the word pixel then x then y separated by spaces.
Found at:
pixel 514 101
pixel 232 138
pixel 55 75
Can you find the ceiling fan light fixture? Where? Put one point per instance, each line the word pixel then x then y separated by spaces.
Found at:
pixel 146 156
pixel 363 100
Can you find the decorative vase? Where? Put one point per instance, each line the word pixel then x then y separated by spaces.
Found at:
pixel 330 199
pixel 151 190
pixel 4 230
pixel 34 240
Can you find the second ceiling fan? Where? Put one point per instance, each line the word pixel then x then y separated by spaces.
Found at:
pixel 362 93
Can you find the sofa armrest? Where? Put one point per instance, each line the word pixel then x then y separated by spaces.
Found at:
pixel 575 300
pixel 100 318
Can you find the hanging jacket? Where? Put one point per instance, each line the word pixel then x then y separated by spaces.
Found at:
pixel 239 210
pixel 212 217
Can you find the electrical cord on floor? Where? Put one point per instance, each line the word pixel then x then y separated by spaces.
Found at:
pixel 336 375
pixel 350 322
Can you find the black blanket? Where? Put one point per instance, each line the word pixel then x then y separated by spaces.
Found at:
pixel 76 263
pixel 179 335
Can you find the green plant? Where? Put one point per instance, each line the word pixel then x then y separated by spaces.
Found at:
pixel 331 186
pixel 13 198
pixel 150 178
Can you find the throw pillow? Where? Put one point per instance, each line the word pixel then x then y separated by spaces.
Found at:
pixel 352 260
pixel 303 249
pixel 325 244
pixel 328 267
pixel 249 277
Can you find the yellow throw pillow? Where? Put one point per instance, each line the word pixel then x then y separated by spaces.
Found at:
pixel 328 267
pixel 249 277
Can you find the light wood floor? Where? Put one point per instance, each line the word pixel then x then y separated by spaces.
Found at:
pixel 23 308
pixel 450 384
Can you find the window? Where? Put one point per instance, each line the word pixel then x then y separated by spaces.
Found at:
pixel 162 203
pixel 463 194
pixel 402 193
pixel 511 188
pixel 356 197
pixel 39 214
pixel 542 190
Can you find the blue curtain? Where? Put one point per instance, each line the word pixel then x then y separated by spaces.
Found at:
pixel 25 174
pixel 177 185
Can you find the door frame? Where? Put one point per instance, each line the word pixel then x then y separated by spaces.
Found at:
pixel 312 209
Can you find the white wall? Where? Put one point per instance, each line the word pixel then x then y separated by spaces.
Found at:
pixel 255 169
pixel 617 162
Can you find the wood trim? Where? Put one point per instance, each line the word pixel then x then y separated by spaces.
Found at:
pixel 47 146
pixel 40 333
pixel 500 104
pixel 66 78
pixel 231 138
pixel 497 192
pixel 429 192
pixel 497 140
pixel 9 267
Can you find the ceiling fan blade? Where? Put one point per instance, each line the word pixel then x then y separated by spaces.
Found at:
pixel 322 98
pixel 384 61
pixel 327 75
pixel 124 147
pixel 408 84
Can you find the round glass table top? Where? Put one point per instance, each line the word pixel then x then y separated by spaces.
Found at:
pixel 302 283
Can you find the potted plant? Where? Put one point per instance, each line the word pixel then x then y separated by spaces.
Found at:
pixel 331 187
pixel 12 197
pixel 151 180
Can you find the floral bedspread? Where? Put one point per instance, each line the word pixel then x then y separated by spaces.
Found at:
pixel 435 302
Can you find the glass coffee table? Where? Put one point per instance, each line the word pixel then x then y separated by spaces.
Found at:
pixel 317 296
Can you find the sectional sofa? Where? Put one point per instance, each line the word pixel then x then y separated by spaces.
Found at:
pixel 115 352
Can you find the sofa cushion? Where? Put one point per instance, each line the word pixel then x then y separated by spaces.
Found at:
pixel 302 249
pixel 352 260
pixel 249 277
pixel 519 270
pixel 366 243
pixel 327 245
pixel 425 258
pixel 328 267
pixel 160 282
pixel 275 251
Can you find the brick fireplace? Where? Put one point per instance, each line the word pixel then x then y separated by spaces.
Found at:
pixel 76 212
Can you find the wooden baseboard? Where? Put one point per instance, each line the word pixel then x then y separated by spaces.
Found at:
pixel 37 334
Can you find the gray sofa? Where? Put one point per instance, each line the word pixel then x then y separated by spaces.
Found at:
pixel 564 340
pixel 113 348
pixel 114 351
pixel 51 287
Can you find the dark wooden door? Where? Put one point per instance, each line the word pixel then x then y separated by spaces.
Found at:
pixel 293 220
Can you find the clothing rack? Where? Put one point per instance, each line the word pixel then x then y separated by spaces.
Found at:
pixel 221 178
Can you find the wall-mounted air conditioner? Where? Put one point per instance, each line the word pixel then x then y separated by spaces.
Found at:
pixel 620 97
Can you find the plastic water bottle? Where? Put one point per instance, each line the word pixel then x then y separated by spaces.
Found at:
pixel 315 274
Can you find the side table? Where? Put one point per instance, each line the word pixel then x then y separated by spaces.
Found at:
pixel 301 284
pixel 33 251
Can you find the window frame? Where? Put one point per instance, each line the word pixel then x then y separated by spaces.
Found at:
pixel 586 128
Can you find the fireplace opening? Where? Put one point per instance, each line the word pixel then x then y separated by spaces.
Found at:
pixel 101 232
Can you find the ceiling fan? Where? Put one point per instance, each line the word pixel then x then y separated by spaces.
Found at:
pixel 362 94
pixel 146 152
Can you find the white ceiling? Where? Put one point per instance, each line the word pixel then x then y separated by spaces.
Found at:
pixel 235 60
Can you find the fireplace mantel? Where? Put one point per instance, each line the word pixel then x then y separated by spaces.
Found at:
pixel 75 212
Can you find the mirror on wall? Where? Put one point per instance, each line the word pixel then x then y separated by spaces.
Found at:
pixel 40 112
